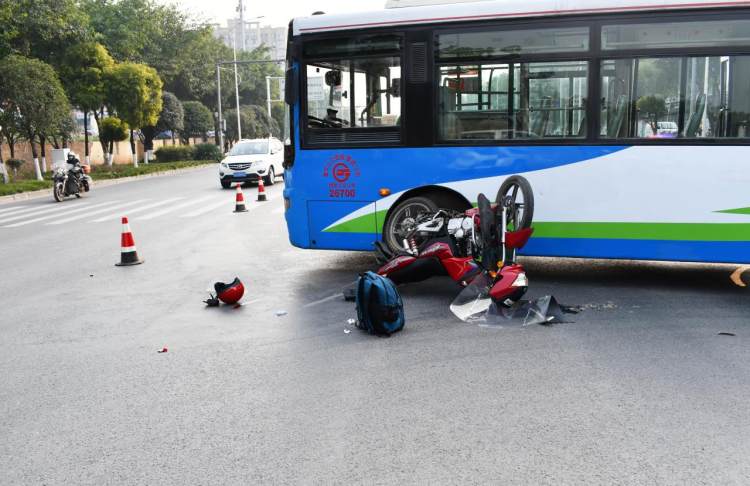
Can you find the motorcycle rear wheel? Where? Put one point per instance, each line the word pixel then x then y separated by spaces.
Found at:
pixel 59 192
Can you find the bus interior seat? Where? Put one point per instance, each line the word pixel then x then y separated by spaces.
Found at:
pixel 694 123
pixel 540 118
pixel 615 125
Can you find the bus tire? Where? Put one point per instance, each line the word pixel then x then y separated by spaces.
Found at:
pixel 522 185
pixel 398 220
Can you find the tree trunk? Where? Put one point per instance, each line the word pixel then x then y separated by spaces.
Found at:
pixel 109 153
pixel 43 146
pixel 98 118
pixel 3 169
pixel 35 155
pixel 132 148
pixel 173 142
pixel 86 137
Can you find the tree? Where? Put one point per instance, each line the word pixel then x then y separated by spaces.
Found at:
pixel 10 125
pixel 83 72
pixel 255 123
pixel 653 108
pixel 170 118
pixel 111 130
pixel 62 134
pixel 198 120
pixel 31 88
pixel 41 28
pixel 134 93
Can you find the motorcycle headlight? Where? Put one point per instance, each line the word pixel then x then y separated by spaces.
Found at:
pixel 521 280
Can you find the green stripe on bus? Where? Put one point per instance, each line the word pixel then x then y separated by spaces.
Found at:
pixel 735 211
pixel 361 224
pixel 646 231
pixel 624 231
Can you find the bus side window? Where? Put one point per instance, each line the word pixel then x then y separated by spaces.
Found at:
pixel 648 97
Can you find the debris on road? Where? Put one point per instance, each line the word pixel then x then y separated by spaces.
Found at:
pixel 347 331
pixel 727 334
pixel 351 322
pixel 163 350
pixel 280 313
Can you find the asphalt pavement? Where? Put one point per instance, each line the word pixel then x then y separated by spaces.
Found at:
pixel 640 389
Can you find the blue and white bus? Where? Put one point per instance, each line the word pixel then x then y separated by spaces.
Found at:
pixel 630 118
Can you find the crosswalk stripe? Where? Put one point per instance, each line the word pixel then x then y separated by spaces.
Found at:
pixel 36 211
pixel 137 210
pixel 121 207
pixel 175 208
pixel 50 216
pixel 210 207
pixel 14 208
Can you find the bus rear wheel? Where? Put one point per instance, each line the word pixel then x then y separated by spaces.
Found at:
pixel 403 219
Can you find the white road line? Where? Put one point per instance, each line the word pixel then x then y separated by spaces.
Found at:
pixel 50 216
pixel 175 208
pixel 37 210
pixel 121 207
pixel 205 209
pixel 15 208
pixel 119 214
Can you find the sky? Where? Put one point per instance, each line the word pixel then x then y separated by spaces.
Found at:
pixel 275 12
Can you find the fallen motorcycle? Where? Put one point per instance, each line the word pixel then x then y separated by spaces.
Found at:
pixel 72 180
pixel 481 242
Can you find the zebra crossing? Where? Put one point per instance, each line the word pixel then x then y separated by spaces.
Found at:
pixel 145 209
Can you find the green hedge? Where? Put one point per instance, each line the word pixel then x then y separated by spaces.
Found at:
pixel 174 153
pixel 207 151
pixel 202 151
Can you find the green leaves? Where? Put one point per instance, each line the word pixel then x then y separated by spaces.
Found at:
pixel 83 72
pixel 198 120
pixel 31 89
pixel 134 92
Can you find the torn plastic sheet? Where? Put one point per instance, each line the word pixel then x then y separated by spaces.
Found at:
pixel 474 304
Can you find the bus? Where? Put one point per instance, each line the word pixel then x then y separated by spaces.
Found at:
pixel 630 119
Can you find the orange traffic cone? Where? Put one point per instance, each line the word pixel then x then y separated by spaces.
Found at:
pixel 239 204
pixel 128 253
pixel 261 190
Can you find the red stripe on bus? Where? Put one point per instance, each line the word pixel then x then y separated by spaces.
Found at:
pixel 539 12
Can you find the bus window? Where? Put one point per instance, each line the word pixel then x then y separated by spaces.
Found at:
pixel 354 93
pixel 721 33
pixel 548 100
pixel 501 43
pixel 672 97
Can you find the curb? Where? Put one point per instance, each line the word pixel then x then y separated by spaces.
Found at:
pixel 103 183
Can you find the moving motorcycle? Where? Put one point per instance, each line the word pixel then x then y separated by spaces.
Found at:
pixel 479 245
pixel 72 180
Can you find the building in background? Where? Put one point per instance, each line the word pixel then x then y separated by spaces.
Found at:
pixel 255 35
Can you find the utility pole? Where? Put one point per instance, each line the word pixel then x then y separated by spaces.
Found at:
pixel 241 9
pixel 237 90
pixel 220 134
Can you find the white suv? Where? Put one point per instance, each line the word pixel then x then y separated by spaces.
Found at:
pixel 249 160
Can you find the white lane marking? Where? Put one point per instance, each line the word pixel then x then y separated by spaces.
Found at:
pixel 121 207
pixel 80 209
pixel 137 210
pixel 37 210
pixel 175 208
pixel 16 208
pixel 210 207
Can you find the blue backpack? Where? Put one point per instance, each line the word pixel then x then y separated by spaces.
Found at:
pixel 379 307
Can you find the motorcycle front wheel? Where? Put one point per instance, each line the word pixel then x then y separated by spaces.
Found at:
pixel 59 192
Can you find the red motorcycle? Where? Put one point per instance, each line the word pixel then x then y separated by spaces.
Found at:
pixel 482 241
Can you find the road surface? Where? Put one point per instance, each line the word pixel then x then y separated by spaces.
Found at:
pixel 640 389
